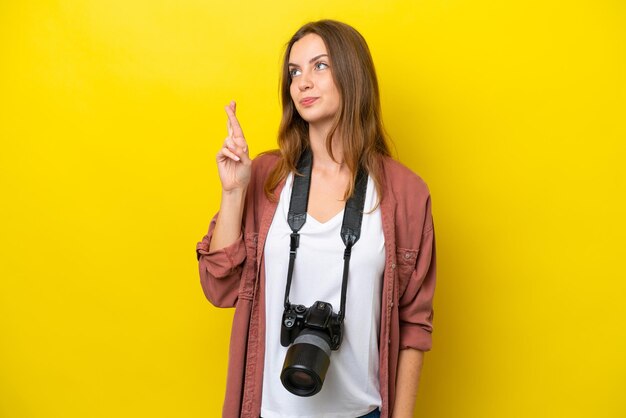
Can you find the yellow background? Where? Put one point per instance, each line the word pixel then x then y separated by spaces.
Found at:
pixel 111 113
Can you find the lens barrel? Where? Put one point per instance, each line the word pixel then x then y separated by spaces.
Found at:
pixel 306 363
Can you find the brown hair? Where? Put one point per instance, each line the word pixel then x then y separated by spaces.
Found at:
pixel 358 121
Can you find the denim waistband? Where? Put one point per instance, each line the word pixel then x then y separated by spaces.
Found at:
pixel 374 414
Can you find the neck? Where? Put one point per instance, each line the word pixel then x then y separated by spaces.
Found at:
pixel 321 157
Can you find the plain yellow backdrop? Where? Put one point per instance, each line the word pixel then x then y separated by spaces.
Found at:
pixel 111 113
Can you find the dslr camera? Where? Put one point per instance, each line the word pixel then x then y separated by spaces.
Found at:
pixel 312 333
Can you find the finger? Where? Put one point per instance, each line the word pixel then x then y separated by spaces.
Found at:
pixel 240 141
pixel 245 158
pixel 240 144
pixel 230 144
pixel 229 127
pixel 241 152
pixel 237 131
pixel 227 153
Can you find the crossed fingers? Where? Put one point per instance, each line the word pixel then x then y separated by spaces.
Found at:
pixel 235 143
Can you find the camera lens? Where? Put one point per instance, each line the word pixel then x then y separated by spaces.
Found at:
pixel 301 379
pixel 306 363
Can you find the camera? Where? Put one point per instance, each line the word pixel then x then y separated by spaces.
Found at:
pixel 312 332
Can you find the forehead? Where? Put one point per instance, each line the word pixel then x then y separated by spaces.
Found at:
pixel 309 46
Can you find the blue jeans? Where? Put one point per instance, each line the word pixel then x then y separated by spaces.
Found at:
pixel 374 414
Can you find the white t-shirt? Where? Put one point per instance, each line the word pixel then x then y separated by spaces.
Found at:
pixel 351 387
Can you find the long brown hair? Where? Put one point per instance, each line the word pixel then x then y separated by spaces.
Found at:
pixel 358 121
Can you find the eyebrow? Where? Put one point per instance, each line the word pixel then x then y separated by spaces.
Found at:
pixel 310 61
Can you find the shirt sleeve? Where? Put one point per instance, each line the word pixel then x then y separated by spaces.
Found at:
pixel 416 303
pixel 220 270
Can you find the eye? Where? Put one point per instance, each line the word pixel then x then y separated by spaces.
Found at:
pixel 294 72
pixel 321 65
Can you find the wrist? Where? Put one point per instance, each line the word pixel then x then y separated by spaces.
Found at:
pixel 235 193
pixel 233 200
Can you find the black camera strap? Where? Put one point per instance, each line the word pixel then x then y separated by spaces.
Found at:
pixel 350 227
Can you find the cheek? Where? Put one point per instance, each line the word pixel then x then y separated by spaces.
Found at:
pixel 337 95
pixel 331 88
pixel 293 89
pixel 334 93
pixel 293 92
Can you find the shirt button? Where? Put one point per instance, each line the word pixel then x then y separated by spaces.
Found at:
pixel 407 255
pixel 393 265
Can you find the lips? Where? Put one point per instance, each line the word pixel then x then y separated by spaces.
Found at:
pixel 308 101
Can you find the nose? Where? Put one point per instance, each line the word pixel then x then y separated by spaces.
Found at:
pixel 305 82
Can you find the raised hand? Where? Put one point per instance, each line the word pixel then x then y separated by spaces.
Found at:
pixel 233 161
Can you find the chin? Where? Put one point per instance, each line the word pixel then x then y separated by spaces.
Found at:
pixel 312 117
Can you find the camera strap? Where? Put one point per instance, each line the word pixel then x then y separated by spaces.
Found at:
pixel 350 227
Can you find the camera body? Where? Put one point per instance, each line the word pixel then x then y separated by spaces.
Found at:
pixel 319 317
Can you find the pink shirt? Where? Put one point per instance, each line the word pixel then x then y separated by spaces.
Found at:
pixel 235 277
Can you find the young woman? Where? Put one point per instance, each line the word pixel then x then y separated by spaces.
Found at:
pixel 331 111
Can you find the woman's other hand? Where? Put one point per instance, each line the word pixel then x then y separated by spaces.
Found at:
pixel 233 161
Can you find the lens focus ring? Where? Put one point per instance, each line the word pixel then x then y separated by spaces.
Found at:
pixel 314 339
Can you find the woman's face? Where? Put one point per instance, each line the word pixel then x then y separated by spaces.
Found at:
pixel 313 89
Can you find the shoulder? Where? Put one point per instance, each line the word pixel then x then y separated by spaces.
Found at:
pixel 262 166
pixel 403 181
pixel 265 162
pixel 409 195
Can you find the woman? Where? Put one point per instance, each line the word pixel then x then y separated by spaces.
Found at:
pixel 331 110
